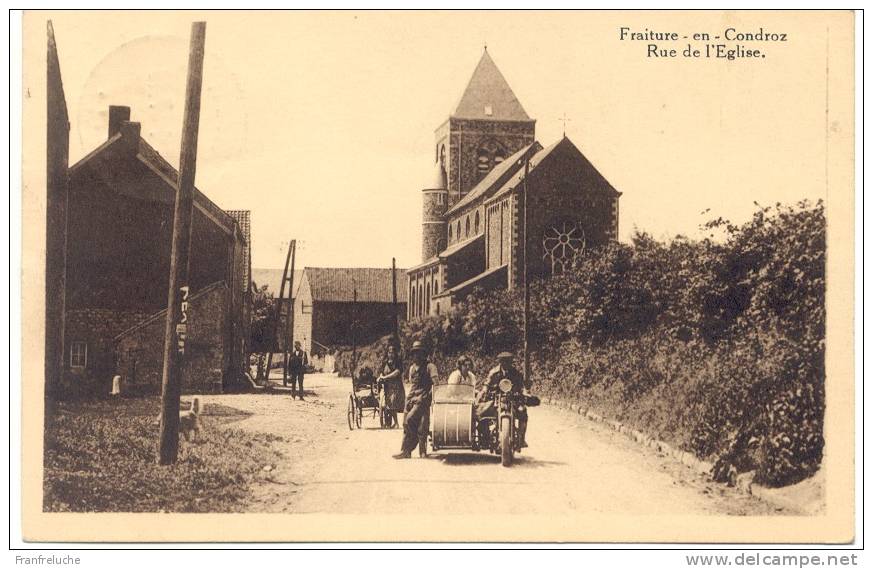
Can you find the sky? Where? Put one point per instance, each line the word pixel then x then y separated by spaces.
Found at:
pixel 322 124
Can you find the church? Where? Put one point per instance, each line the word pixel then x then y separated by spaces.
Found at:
pixel 486 157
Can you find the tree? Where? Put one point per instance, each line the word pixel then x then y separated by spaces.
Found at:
pixel 263 324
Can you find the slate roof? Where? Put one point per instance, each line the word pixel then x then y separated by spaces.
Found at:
pixel 493 178
pixel 147 154
pixel 487 92
pixel 535 160
pixel 339 285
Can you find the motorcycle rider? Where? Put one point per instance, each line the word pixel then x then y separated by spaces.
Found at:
pixel 485 405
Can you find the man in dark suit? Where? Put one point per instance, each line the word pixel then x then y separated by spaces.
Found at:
pixel 297 363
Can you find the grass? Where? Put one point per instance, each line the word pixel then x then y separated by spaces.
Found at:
pixel 100 456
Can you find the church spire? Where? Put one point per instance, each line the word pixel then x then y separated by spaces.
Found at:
pixel 488 96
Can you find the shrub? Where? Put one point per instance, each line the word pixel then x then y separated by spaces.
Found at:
pixel 715 345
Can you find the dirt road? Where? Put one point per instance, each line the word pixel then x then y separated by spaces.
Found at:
pixel 572 465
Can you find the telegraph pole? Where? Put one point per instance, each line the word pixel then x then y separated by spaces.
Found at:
pixel 275 342
pixel 354 330
pixel 524 275
pixel 289 330
pixel 394 302
pixel 176 330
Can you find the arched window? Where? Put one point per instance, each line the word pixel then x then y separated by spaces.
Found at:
pixel 476 223
pixel 412 304
pixel 459 230
pixel 420 300
pixel 450 233
pixel 443 156
pixel 427 300
pixel 467 228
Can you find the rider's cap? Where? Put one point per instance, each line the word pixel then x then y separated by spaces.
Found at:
pixel 417 347
pixel 504 356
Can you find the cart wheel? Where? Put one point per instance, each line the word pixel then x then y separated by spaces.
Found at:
pixel 382 418
pixel 359 415
pixel 351 414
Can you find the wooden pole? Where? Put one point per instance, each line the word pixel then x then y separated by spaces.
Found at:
pixel 175 332
pixel 354 330
pixel 394 302
pixel 289 330
pixel 524 248
pixel 275 342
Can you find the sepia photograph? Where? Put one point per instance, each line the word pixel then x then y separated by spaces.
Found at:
pixel 438 276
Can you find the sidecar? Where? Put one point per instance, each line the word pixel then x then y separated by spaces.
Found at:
pixel 451 417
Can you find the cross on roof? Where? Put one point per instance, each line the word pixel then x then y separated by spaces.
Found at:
pixel 564 120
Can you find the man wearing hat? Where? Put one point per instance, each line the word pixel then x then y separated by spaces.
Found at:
pixel 416 419
pixel 503 370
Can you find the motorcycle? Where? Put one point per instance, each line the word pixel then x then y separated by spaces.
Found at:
pixel 453 426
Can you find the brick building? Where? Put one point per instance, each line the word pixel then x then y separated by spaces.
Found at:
pixel 120 223
pixel 472 210
pixel 329 301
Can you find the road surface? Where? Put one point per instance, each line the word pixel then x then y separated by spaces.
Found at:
pixel 571 466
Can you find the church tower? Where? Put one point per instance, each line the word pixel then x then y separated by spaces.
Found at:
pixel 488 125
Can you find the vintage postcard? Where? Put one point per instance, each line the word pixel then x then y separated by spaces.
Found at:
pixel 426 276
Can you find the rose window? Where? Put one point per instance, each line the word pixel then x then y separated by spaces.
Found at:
pixel 561 244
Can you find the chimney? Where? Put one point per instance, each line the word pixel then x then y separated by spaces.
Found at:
pixel 130 133
pixel 117 115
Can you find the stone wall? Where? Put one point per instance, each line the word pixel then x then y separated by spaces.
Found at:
pixel 140 349
pixel 97 328
pixel 466 136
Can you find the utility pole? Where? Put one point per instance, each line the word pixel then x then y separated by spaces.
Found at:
pixel 176 330
pixel 275 342
pixel 524 275
pixel 394 302
pixel 354 330
pixel 289 329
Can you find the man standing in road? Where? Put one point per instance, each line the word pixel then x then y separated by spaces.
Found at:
pixel 416 419
pixel 296 367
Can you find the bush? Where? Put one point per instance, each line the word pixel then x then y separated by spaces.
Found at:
pixel 714 345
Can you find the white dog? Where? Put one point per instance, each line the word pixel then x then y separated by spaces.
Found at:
pixel 189 421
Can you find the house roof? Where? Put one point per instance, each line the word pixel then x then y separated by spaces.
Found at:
pixel 361 284
pixel 488 96
pixel 494 177
pixel 158 164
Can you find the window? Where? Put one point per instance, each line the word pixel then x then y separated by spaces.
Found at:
pixel 459 230
pixel 412 304
pixel 476 223
pixel 450 233
pixel 78 354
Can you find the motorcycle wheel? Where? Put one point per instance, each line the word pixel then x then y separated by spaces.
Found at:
pixel 506 441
